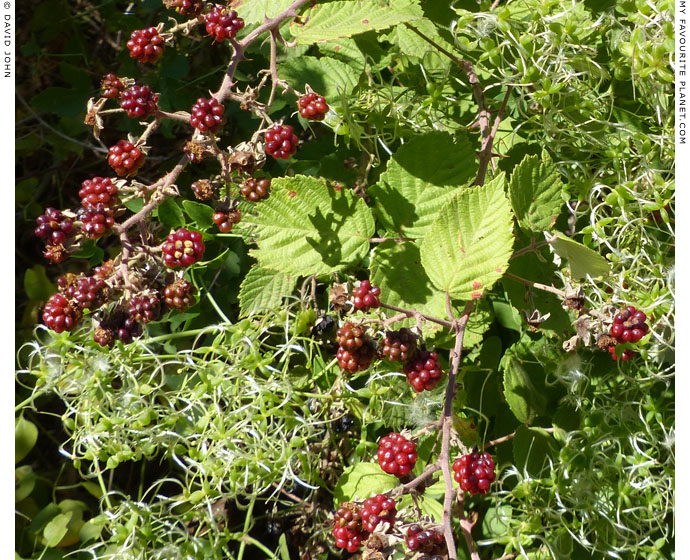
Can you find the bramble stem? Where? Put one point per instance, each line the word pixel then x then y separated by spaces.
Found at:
pixel 537 285
pixel 466 527
pixel 410 313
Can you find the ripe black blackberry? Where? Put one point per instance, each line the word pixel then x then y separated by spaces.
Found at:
pixel 59 315
pixel 145 308
pixel 179 295
pixel 365 296
pixel 125 158
pixel 255 190
pixel 398 345
pixel 222 24
pixel 225 220
pixel 146 45
pixel 379 509
pixel 54 228
pixel 474 472
pixel 120 325
pixel 98 190
pixel 312 106
pixel 139 102
pixel 347 527
pixel 202 189
pixel 396 454
pixel 423 371
pixel 280 141
pixel 207 115
pixel 96 220
pixel 112 86
pixel 429 541
pixel 183 248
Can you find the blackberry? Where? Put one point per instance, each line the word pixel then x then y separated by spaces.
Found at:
pixel 255 190
pixel 118 326
pixel 98 190
pixel 474 472
pixel 125 158
pixel 112 86
pixel 366 296
pixel 96 220
pixel 396 454
pixel 347 527
pixel 54 228
pixel 59 315
pixel 85 292
pixel 145 308
pixel 139 102
pixel 399 345
pixel 104 336
pixel 104 271
pixel 423 371
pixel 222 24
pixel 179 295
pixel 183 248
pixel 196 151
pixel 629 325
pixel 429 541
pixel 355 352
pixel 225 221
pixel 146 45
pixel 55 253
pixel 202 189
pixel 625 356
pixel 207 115
pixel 312 106
pixel 280 141
pixel 185 7
pixel 379 509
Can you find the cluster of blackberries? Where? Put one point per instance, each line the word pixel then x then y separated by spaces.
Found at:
pixel 179 295
pixel 423 371
pixel 125 158
pixel 255 190
pixel 474 472
pixel 312 106
pixel 146 45
pixel 629 325
pixel 98 190
pixel 84 292
pixel 183 248
pixel 397 455
pixel 354 521
pixel 280 141
pixel 398 346
pixel 145 307
pixel 112 86
pixel 54 228
pixel 185 7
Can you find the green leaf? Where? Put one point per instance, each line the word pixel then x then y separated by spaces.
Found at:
pixel 135 204
pixel 264 289
pixel 283 548
pixel 417 48
pixel 428 505
pixel 420 178
pixel 308 227
pixel 254 11
pixel 524 399
pixel 583 261
pixel 335 20
pixel 92 529
pixel 535 193
pixel 327 76
pixel 201 214
pixel 56 528
pixel 469 245
pixel 25 436
pixel 530 449
pixel 496 522
pixel 363 481
pixel 24 482
pixel 169 214
pixel 37 285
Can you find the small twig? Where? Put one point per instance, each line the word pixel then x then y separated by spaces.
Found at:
pixel 398 239
pixel 410 313
pixel 466 526
pixel 273 68
pixel 485 153
pixel 182 116
pixel 532 247
pixel 537 285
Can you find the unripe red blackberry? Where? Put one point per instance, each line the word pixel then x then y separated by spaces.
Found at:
pixel 104 336
pixel 145 308
pixel 429 541
pixel 96 220
pixel 625 356
pixel 54 228
pixel 112 86
pixel 185 7
pixel 183 248
pixel 55 253
pixel 98 190
pixel 355 352
pixel 207 115
pixel 379 509
pixel 139 102
pixel 474 472
pixel 423 371
pixel 222 23
pixel 125 159
pixel 347 527
pixel 629 325
pixel 280 141
pixel 84 292
pixel 225 221
pixel 255 190
pixel 366 296
pixel 396 454
pixel 350 337
pixel 59 315
pixel 398 345
pixel 104 271
pixel 179 295
pixel 312 106
pixel 146 45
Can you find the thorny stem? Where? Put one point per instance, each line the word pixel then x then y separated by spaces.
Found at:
pixel 466 526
